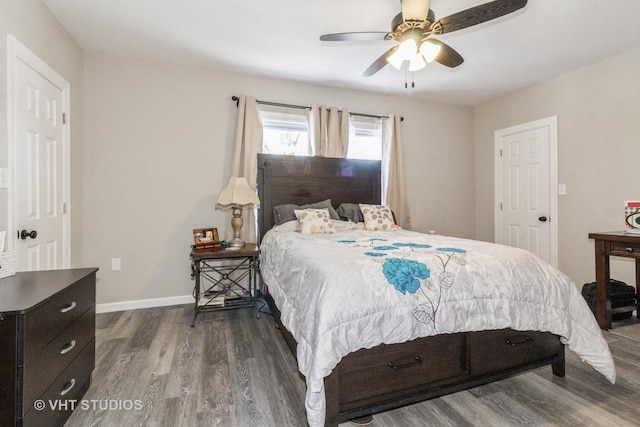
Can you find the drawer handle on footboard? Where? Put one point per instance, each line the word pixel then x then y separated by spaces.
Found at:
pixel 68 307
pixel 518 341
pixel 67 348
pixel 68 387
pixel 415 361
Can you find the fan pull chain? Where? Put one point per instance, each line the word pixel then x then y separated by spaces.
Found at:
pixel 413 83
pixel 405 78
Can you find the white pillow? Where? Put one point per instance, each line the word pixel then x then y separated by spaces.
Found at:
pixel 314 221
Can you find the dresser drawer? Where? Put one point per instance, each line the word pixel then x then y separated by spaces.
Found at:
pixel 75 380
pixel 49 319
pixel 625 250
pixel 516 347
pixel 396 368
pixel 45 366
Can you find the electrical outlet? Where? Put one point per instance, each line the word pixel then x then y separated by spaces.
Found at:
pixel 562 189
pixel 116 264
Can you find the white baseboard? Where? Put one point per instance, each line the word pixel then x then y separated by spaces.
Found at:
pixel 144 303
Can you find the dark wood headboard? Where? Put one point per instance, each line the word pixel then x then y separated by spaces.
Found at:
pixel 302 180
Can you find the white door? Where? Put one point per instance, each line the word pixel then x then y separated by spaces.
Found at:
pixel 39 196
pixel 526 208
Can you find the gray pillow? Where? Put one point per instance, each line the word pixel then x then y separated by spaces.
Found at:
pixel 350 211
pixel 284 213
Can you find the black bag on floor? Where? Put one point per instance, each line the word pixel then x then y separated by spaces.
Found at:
pixel 621 295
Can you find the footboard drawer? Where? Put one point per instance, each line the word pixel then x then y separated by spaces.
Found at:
pixel 396 368
pixel 515 348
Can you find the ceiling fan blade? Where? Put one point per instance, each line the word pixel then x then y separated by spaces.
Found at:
pixel 415 10
pixel 448 56
pixel 379 63
pixel 477 15
pixel 354 37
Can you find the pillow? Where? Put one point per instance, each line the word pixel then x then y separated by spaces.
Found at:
pixel 284 213
pixel 377 217
pixel 350 211
pixel 314 221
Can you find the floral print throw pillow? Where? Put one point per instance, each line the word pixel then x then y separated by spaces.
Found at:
pixel 377 218
pixel 314 221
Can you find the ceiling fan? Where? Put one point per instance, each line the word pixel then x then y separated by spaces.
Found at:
pixel 414 27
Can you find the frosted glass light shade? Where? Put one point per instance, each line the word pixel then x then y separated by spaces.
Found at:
pixel 429 50
pixel 417 63
pixel 406 51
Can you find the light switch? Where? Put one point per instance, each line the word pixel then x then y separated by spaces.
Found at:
pixel 115 264
pixel 562 189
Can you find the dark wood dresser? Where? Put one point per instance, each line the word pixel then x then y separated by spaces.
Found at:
pixel 47 344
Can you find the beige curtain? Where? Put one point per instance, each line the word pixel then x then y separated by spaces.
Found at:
pixel 247 145
pixel 394 191
pixel 329 130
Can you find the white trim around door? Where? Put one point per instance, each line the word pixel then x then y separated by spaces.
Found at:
pixel 550 125
pixel 16 53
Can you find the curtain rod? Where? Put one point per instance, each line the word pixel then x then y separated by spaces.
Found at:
pixel 304 107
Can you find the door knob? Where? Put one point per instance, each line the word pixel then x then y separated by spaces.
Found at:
pixel 542 219
pixel 24 234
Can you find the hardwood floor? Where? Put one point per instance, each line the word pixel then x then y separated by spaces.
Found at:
pixel 232 369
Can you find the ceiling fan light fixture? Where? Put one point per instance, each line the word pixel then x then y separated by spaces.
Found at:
pixel 430 51
pixel 417 63
pixel 406 51
pixel 396 60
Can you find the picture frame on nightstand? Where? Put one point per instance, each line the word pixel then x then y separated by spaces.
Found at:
pixel 206 238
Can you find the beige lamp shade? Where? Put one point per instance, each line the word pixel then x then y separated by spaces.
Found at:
pixel 237 193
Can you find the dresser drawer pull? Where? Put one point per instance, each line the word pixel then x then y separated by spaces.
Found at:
pixel 630 250
pixel 67 348
pixel 415 361
pixel 67 388
pixel 67 308
pixel 518 341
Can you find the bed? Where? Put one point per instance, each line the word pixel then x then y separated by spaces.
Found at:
pixel 367 340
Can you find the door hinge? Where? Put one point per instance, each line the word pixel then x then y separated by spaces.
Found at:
pixel 501 152
pixel 500 205
pixel 64 208
pixel 64 118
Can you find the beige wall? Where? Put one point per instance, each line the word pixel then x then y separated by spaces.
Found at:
pixel 159 142
pixel 598 109
pixel 36 28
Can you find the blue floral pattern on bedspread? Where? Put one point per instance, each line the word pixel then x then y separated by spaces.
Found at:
pixel 408 276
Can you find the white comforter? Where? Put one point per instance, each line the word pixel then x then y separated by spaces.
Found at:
pixel 357 289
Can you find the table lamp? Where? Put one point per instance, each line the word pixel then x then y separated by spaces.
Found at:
pixel 236 196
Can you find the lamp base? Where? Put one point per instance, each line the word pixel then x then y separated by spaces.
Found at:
pixel 235 244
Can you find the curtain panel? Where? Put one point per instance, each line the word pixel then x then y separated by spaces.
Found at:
pixel 394 189
pixel 247 145
pixel 329 131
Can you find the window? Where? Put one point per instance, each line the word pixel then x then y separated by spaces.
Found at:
pixel 286 131
pixel 365 138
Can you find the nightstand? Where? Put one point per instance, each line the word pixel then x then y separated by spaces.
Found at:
pixel 225 278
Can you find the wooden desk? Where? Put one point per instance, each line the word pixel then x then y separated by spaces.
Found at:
pixel 614 243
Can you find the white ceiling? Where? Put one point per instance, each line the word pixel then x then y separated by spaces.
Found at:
pixel 280 38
